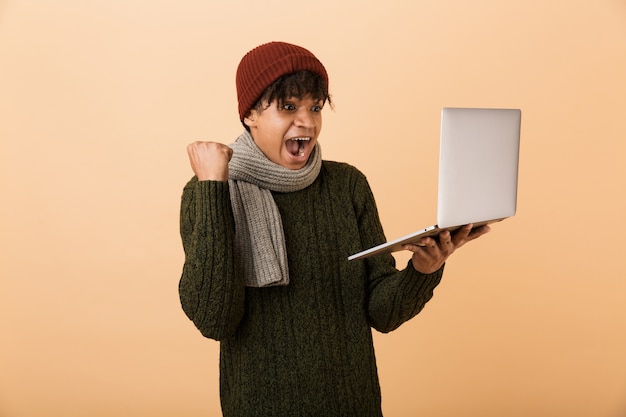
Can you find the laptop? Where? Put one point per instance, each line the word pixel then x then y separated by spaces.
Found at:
pixel 478 167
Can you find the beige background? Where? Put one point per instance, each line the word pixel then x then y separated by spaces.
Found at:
pixel 98 100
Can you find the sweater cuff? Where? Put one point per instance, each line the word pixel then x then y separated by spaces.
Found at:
pixel 429 280
pixel 212 199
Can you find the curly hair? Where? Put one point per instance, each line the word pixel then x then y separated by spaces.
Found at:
pixel 298 84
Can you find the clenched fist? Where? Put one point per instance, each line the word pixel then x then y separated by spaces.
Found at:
pixel 209 160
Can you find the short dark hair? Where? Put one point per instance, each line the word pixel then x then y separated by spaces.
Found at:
pixel 298 85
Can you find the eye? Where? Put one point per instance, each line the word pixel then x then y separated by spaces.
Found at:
pixel 317 108
pixel 288 106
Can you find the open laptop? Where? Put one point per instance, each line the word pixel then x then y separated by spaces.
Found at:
pixel 478 166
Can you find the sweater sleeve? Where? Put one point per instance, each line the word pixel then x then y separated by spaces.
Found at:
pixel 395 299
pixel 211 287
pixel 393 296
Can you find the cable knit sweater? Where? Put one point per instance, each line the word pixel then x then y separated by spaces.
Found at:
pixel 304 349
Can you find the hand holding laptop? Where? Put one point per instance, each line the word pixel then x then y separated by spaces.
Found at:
pixel 429 253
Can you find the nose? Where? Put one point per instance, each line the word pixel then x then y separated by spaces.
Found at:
pixel 304 118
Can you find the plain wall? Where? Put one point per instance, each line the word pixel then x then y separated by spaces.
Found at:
pixel 98 100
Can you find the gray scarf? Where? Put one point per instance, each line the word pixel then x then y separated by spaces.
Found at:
pixel 259 237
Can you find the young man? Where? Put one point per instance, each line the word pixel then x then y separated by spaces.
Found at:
pixel 267 227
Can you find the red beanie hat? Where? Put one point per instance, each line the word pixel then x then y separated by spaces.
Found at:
pixel 263 65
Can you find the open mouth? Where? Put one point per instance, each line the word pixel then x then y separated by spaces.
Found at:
pixel 298 146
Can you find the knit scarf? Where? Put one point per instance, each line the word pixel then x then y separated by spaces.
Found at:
pixel 259 237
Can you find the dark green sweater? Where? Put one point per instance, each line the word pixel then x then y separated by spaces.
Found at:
pixel 304 349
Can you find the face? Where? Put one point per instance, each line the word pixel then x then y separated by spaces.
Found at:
pixel 287 134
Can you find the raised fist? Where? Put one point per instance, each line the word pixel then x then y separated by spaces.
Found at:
pixel 209 160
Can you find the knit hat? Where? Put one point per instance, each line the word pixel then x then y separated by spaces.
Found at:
pixel 263 65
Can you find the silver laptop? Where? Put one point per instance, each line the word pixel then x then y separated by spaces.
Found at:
pixel 478 166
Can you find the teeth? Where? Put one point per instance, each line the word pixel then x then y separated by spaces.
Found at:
pixel 301 144
pixel 301 141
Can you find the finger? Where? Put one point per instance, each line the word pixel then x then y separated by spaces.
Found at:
pixel 191 148
pixel 474 234
pixel 479 231
pixel 423 245
pixel 426 241
pixel 445 238
pixel 461 234
pixel 417 247
pixel 432 248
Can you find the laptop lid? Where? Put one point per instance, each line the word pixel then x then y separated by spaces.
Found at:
pixel 478 165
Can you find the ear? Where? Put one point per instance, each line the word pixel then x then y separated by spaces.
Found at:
pixel 250 119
